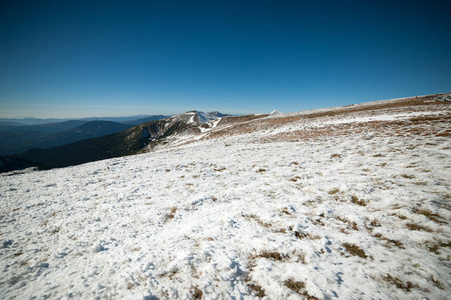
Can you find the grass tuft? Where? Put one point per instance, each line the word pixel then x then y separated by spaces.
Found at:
pixel 429 214
pixel 258 220
pixel 407 286
pixel 356 200
pixel 299 287
pixel 257 290
pixel 302 235
pixel 196 293
pixel 355 250
pixel 417 227
pixel 171 214
pixel 334 191
pixel 296 286
pixel 272 255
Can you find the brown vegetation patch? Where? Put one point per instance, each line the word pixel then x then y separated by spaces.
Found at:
pixel 258 220
pixel 390 241
pixel 299 287
pixel 303 235
pixel 196 292
pixel 352 225
pixel 406 286
pixel 356 200
pixel 417 227
pixel 435 246
pixel 273 255
pixel 256 290
pixel 171 214
pixel 333 191
pixel 296 286
pixel 355 250
pixel 430 215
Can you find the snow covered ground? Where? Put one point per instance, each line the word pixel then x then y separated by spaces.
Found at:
pixel 352 212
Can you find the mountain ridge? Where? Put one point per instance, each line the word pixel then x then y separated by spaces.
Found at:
pixel 193 126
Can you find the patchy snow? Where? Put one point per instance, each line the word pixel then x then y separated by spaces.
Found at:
pixel 332 216
pixel 275 113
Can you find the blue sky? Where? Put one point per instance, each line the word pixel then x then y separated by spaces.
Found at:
pixel 115 58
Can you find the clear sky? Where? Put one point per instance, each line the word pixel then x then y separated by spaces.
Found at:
pixel 125 57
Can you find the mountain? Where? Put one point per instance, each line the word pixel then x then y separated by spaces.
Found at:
pixel 194 126
pixel 52 135
pixel 109 146
pixel 137 139
pixel 340 203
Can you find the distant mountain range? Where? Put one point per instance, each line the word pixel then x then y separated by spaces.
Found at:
pixel 130 141
pixel 19 138
pixel 38 121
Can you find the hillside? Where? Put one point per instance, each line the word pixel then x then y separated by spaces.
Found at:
pixel 349 203
pixel 54 135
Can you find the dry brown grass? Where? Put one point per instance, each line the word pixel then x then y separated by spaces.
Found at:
pixel 351 225
pixel 273 256
pixel 334 191
pixel 196 292
pixel 304 235
pixel 299 287
pixel 389 241
pixel 296 286
pixel 417 227
pixel 406 286
pixel 402 217
pixel 355 250
pixel 357 201
pixel 256 290
pixel 437 282
pixel 435 246
pixel 171 214
pixel 258 220
pixel 430 215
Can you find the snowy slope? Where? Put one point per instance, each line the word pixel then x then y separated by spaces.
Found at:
pixel 327 207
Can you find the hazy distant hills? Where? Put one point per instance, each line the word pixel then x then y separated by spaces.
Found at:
pixel 37 121
pixel 19 138
pixel 12 142
pixel 43 128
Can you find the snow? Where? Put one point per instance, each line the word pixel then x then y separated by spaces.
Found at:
pixel 232 216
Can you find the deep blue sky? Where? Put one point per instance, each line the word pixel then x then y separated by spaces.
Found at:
pixel 109 58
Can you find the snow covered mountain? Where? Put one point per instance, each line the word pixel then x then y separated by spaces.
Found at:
pixel 348 203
